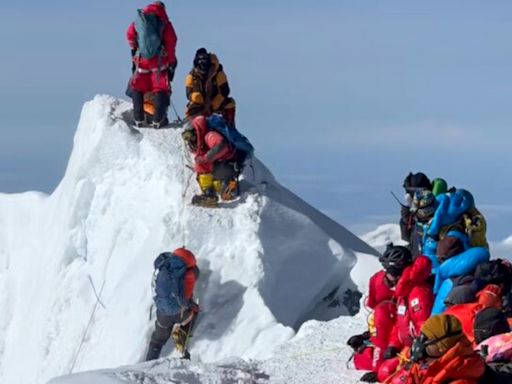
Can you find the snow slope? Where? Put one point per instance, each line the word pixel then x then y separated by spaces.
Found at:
pixel 269 262
pixel 317 354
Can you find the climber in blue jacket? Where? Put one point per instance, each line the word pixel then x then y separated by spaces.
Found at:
pixel 456 258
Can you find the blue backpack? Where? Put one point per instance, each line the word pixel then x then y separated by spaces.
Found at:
pixel 244 149
pixel 168 283
pixel 149 34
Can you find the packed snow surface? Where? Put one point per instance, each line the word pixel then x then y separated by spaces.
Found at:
pixel 316 354
pixel 76 266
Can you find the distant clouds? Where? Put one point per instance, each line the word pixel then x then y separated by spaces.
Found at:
pixel 432 133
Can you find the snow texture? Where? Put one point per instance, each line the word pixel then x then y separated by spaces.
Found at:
pixel 269 263
pixel 316 354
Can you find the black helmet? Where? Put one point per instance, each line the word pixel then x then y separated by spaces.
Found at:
pixel 202 60
pixel 416 181
pixel 395 259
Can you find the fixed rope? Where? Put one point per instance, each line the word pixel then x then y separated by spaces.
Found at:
pixel 186 158
pixel 337 349
pixel 98 302
pixel 176 112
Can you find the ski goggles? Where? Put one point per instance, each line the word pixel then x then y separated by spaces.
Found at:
pixel 413 190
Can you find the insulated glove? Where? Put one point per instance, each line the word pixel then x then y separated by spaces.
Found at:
pixel 357 341
pixel 201 160
pixel 171 71
pixel 170 74
pixel 133 62
pixel 369 377
pixel 193 307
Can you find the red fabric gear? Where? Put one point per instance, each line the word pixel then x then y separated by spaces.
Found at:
pixel 207 140
pixel 378 290
pixel 466 313
pixel 189 280
pixel 385 316
pixel 156 81
pixel 414 299
pixel 169 40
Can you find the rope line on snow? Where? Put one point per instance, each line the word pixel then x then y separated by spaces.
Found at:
pixel 183 229
pixel 98 301
pixel 318 352
pixel 96 292
pixel 176 112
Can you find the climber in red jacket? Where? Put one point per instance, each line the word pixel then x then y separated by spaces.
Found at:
pixel 152 40
pixel 215 161
pixel 371 346
pixel 414 300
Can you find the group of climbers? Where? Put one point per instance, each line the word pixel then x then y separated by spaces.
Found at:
pixel 209 133
pixel 441 309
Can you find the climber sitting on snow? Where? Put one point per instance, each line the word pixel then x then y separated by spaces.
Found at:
pixel 153 42
pixel 390 328
pixel 218 160
pixel 489 297
pixel 455 258
pixel 494 336
pixel 441 355
pixel 438 215
pixel 413 183
pixel 174 280
pixel 414 298
pixel 208 89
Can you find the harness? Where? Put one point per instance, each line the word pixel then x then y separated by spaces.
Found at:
pixel 154 70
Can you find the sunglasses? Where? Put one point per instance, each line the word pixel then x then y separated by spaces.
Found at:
pixel 203 59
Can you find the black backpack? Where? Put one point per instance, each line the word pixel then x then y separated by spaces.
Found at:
pixel 493 272
pixel 497 373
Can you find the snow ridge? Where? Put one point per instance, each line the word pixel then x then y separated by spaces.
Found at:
pixel 267 261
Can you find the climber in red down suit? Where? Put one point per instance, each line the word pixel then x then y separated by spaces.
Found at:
pixel 153 67
pixel 400 305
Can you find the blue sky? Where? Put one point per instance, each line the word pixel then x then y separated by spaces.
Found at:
pixel 341 98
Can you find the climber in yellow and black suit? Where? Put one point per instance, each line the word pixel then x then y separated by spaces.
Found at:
pixel 208 89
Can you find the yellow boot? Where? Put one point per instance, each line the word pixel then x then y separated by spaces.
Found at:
pixel 209 197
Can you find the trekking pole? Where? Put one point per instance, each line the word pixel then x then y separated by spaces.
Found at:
pixel 176 112
pixel 397 200
pixel 191 321
pixel 347 364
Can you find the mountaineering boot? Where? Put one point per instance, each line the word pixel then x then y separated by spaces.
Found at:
pixel 179 336
pixel 207 199
pixel 153 351
pixel 161 102
pixel 161 124
pixel 229 190
pixel 138 108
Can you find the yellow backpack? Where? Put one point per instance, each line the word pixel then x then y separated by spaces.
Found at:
pixel 476 228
